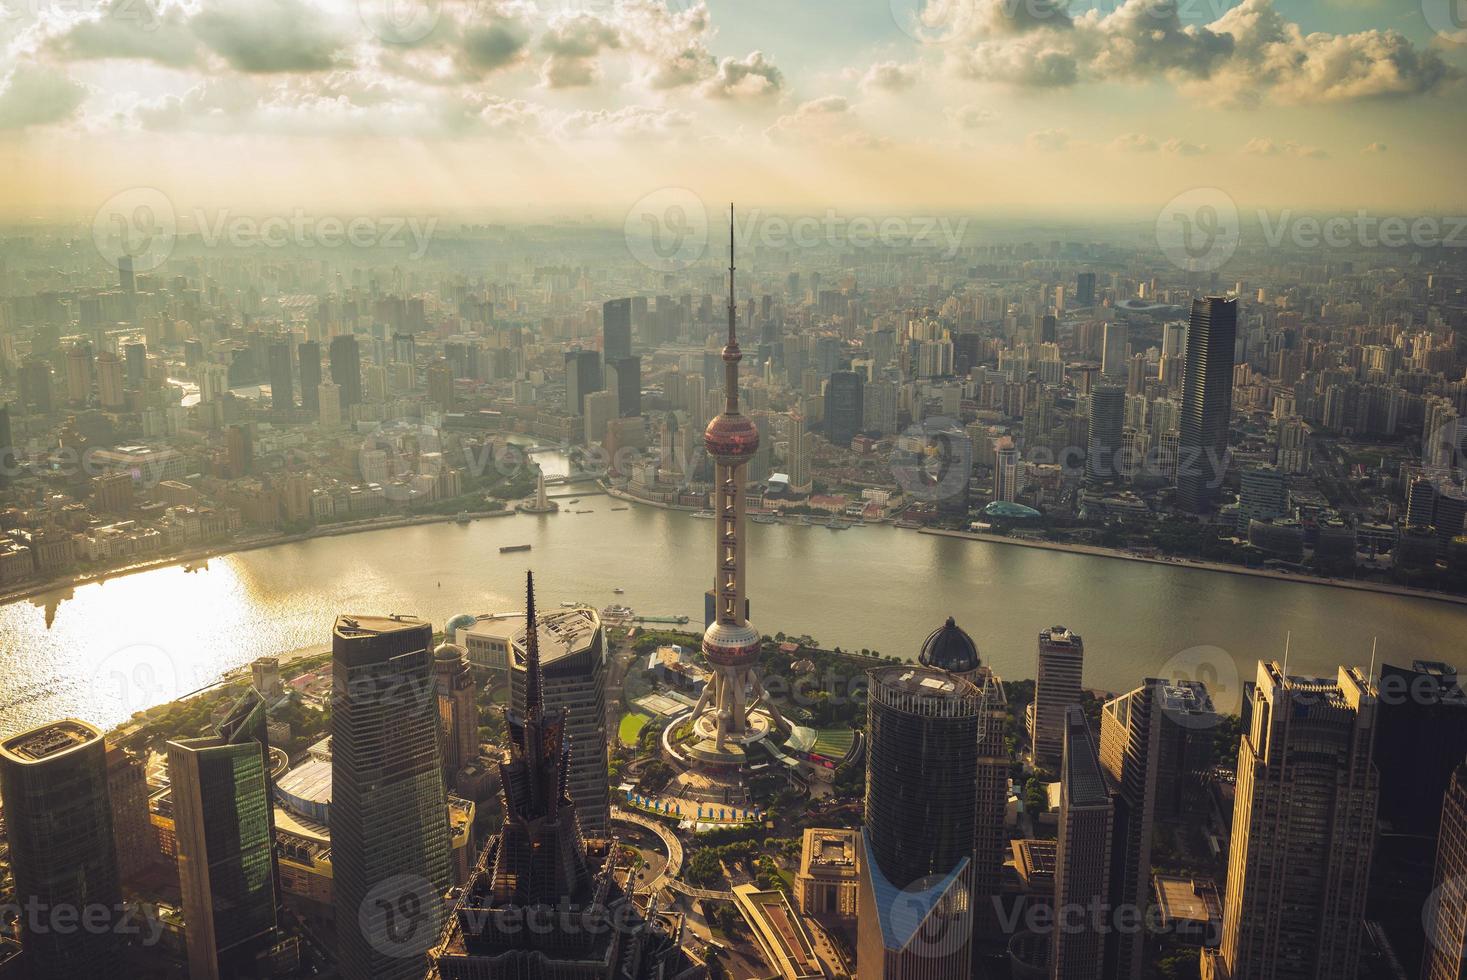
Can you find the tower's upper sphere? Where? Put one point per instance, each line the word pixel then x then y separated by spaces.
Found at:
pixel 949 648
pixel 732 437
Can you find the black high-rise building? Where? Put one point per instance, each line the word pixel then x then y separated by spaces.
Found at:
pixel 346 369
pixel 582 376
pixel 1207 403
pixel 35 386
pixel 844 407
pixel 309 355
pixel 136 356
pixel 1107 421
pixel 541 868
pixel 58 820
pixel 624 376
pixel 282 395
pixel 389 823
pixel 1085 289
pixel 9 467
pixel 1420 739
pixel 616 329
pixel 915 904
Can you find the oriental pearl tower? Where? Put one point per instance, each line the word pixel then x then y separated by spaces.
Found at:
pixel 723 721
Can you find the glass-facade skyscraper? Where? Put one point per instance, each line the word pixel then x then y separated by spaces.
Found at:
pixel 1207 402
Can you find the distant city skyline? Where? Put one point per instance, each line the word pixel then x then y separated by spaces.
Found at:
pixel 1014 106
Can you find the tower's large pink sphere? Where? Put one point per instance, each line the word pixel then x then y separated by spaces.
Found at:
pixel 732 436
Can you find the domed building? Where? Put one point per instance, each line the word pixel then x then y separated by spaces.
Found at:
pixel 461 621
pixel 950 648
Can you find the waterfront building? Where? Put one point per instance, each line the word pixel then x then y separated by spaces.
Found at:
pixel 1104 440
pixel 222 812
pixel 389 832
pixel 1057 676
pixel 915 907
pixel 1304 819
pixel 58 822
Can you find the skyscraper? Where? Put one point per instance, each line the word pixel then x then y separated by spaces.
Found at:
pixel 223 819
pixel 573 668
pixel 624 378
pixel 282 393
pixel 582 376
pixel 1303 823
pixel 542 900
pixel 1263 494
pixel 1082 856
pixel 1445 913
pixel 346 370
pixel 136 359
pixel 1056 687
pixel 458 713
pixel 844 411
pixel 1114 352
pixel 53 782
pixel 1085 289
pixel 1150 740
pixel 915 910
pixel 35 386
pixel 722 720
pixel 1207 403
pixel 951 649
pixel 616 329
pixel 309 356
pixel 389 830
pixel 110 387
pixel 1107 422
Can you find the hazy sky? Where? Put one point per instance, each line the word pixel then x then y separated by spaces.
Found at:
pixel 572 107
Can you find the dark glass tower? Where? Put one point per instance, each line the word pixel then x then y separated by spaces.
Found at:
pixel 1207 403
pixel 616 329
pixel 582 376
pixel 346 369
pixel 624 376
pixel 389 817
pixel 1103 446
pixel 843 407
pixel 53 781
pixel 916 912
pixel 282 394
pixel 309 355
pixel 542 901
pixel 224 818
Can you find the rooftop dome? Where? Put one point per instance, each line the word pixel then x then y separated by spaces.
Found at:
pixel 949 648
pixel 448 651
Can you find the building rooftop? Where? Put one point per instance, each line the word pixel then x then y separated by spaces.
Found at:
pixel 310 781
pixel 50 740
pixel 1084 785
pixel 1186 900
pixel 829 851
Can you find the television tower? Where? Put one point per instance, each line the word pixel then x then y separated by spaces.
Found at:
pixel 731 643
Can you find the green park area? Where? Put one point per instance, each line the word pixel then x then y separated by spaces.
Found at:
pixel 631 727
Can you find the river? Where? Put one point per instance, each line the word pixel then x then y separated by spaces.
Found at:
pixel 116 647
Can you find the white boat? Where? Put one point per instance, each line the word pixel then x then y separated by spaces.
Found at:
pixel 706 515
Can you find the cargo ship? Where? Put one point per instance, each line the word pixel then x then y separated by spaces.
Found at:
pixel 514 547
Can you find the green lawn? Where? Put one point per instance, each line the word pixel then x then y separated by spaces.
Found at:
pixel 631 726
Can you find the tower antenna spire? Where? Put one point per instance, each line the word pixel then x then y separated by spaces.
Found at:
pixel 731 353
pixel 534 698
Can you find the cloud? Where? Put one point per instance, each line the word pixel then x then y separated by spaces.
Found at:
pixel 1184 148
pixel 124 29
pixel 35 95
pixel 1374 148
pixel 634 121
pixel 489 47
pixel 829 120
pixel 969 116
pixel 1263 147
pixel 573 45
pixel 889 76
pixel 750 78
pixel 1048 140
pixel 1249 54
pixel 1134 143
pixel 269 36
